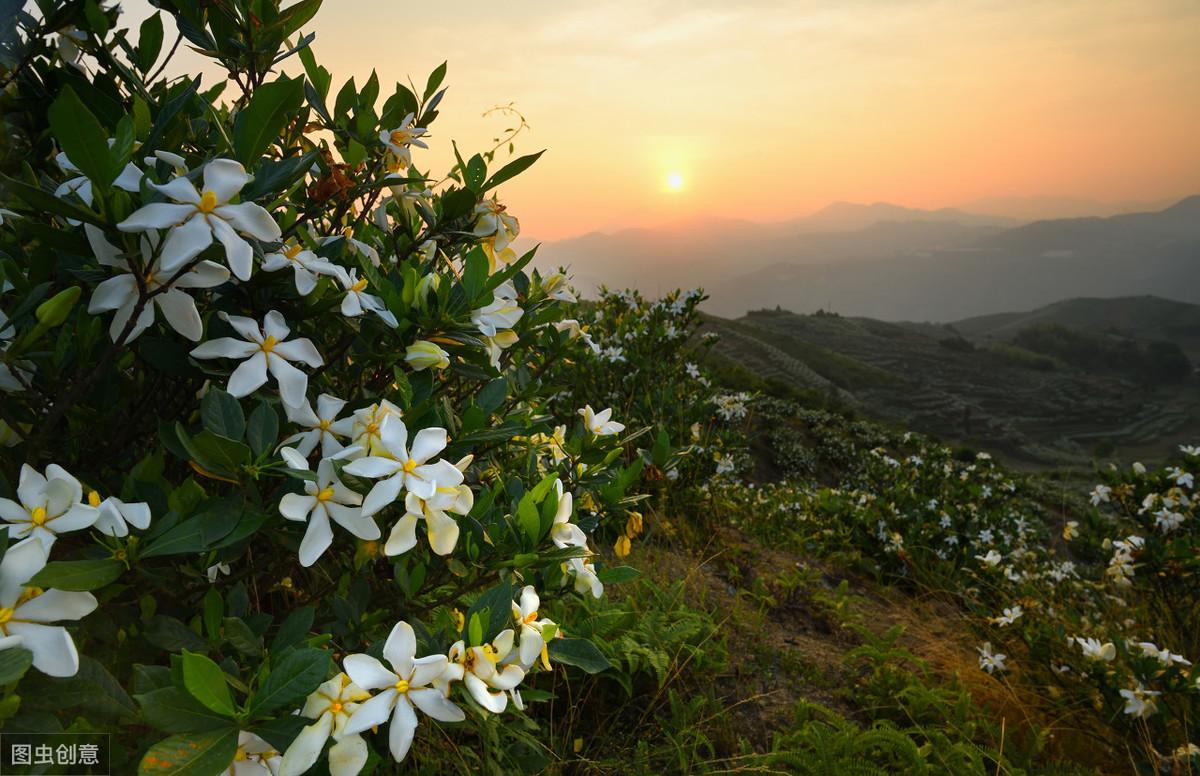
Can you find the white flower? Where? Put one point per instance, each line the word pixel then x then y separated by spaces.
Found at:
pixel 556 287
pixel 196 218
pixel 49 505
pixel 357 300
pixel 324 500
pixel 1182 479
pixel 598 422
pixel 368 421
pixel 262 350
pixel 1139 468
pixel 305 264
pixel 121 293
pixel 407 684
pixel 254 757
pixel 354 245
pixel 1008 617
pixel 586 580
pixel 1094 650
pixel 331 705
pixel 424 354
pixel 67 48
pixel 26 613
pixel 323 426
pixel 1164 656
pixel 991 559
pixel 1168 521
pixel 129 180
pixel 991 661
pixel 1100 495
pixel 399 139
pixel 498 229
pixel 1139 702
pixel 498 344
pixel 533 641
pixel 116 516
pixel 502 313
pixel 482 669
pixel 398 469
pixel 563 532
pixel 440 527
pixel 215 570
pixel 1190 450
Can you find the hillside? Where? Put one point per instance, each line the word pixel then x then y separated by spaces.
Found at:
pixel 897 263
pixel 984 391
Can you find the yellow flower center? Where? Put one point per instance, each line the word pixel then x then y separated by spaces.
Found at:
pixel 208 202
pixel 530 618
pixel 402 686
pixel 401 136
pixel 325 495
pixel 38 516
pixel 372 428
pixel 6 614
pixel 94 498
pixel 409 466
pixel 336 707
pixel 359 285
pixel 269 344
pixel 292 251
pixel 490 653
pixel 460 619
pixel 240 755
pixel 324 424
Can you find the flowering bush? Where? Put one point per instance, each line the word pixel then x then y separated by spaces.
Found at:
pixel 283 480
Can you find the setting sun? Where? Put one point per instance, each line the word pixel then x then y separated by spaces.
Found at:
pixel 674 181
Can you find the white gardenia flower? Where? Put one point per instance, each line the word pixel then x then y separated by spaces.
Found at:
pixel 27 613
pixel 397 468
pixel 116 516
pixel 991 661
pixel 1100 495
pixel 195 218
pixel 305 264
pixel 586 579
pixel 483 669
pixel 365 433
pixel 556 287
pixel 1182 479
pixel 323 426
pixel 598 422
pixel 1139 702
pixel 1008 617
pixel 215 570
pixel 129 180
pixel 399 139
pixel 533 640
pixel 1164 656
pixel 324 500
pixel 254 757
pixel 1191 451
pixel 1094 650
pixel 264 350
pixel 991 559
pixel 49 505
pixel 498 344
pixel 441 529
pixel 121 293
pixel 498 229
pixel 563 532
pixel 408 683
pixel 424 354
pixel 13 376
pixel 357 300
pixel 331 705
pixel 502 313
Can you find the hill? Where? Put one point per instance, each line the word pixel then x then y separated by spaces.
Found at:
pixel 999 386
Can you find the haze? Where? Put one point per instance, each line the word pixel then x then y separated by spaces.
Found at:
pixel 771 110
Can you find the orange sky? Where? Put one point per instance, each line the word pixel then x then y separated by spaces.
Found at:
pixel 772 109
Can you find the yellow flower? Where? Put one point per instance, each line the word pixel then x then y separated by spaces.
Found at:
pixel 623 546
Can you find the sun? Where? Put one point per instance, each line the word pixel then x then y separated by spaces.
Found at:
pixel 674 181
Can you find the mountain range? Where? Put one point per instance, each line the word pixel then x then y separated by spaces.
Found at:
pixel 894 263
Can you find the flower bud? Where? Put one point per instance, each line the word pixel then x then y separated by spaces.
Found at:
pixel 424 354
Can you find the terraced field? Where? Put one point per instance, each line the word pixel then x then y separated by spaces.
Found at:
pixel 1022 405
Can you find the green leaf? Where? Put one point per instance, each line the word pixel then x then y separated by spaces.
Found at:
pixel 275 176
pixel 497 602
pixel 168 112
pixel 239 634
pixel 263 429
pixel 39 200
pixel 150 38
pixel 78 575
pixel 296 16
pixel 475 173
pixel 14 662
pixel 294 629
pixel 222 414
pixel 530 520
pixel 263 120
pixel 172 710
pixel 580 653
pixel 170 634
pixel 214 610
pixel 492 395
pixel 475 274
pixel 82 138
pixel 191 754
pixel 219 454
pixel 475 630
pixel 205 681
pixel 186 537
pixel 512 170
pixel 295 676
pixel 435 80
pixel 618 574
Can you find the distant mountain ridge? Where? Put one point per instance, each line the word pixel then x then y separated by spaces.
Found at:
pixel 895 263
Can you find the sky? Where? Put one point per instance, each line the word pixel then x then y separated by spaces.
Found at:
pixel 665 112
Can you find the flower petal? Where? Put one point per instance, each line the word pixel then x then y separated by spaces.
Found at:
pixel 226 347
pixel 225 178
pixel 403 536
pixel 156 215
pixel 427 669
pixel 20 563
pixel 400 649
pixel 113 293
pixel 180 312
pixel 493 702
pixel 56 605
pixel 238 253
pixel 428 443
pixel 106 253
pixel 306 747
pixel 382 495
pixel 293 384
pixel 295 506
pixel 249 376
pixel 348 756
pixel 317 538
pixel 275 325
pixel 53 651
pixel 373 712
pixel 179 189
pixel 251 219
pixel 374 467
pixel 184 243
pixel 369 674
pixel 443 531
pixel 205 274
pixel 302 350
pixel 404 726
pixel 436 705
